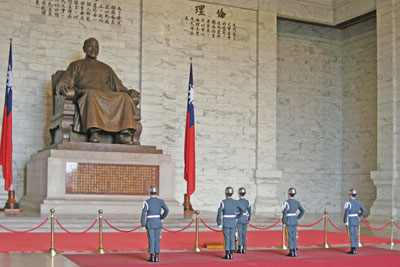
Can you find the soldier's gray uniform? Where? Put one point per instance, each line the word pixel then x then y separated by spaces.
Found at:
pixel 243 220
pixel 290 219
pixel 228 210
pixel 352 219
pixel 151 219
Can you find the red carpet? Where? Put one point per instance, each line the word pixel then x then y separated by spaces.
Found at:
pixel 368 256
pixel 34 242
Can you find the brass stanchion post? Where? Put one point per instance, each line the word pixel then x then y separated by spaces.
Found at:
pixel 348 234
pixel 52 251
pixel 101 250
pixel 359 236
pixel 391 234
pixel 283 246
pixel 196 246
pixel 325 244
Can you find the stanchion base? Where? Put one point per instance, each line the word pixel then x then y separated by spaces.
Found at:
pixel 52 252
pixel 325 245
pixel 100 251
pixel 195 249
pixel 283 246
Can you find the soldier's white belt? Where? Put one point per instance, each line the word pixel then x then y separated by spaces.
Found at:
pixel 229 216
pixel 153 216
pixel 353 215
pixel 291 214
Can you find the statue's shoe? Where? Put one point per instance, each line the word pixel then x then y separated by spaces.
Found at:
pixel 125 139
pixel 94 138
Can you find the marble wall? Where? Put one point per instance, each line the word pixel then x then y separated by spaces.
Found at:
pixel 359 110
pixel 224 93
pixel 309 113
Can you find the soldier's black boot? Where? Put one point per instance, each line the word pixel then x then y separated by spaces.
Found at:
pixel 156 258
pixel 226 257
pixel 231 255
pixel 243 250
pixel 239 249
pixel 290 254
pixel 295 252
pixel 351 251
pixel 151 259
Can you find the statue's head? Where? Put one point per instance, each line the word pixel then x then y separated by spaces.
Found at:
pixel 91 48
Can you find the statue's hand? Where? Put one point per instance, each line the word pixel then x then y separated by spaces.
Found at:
pixel 135 96
pixel 63 89
pixel 133 93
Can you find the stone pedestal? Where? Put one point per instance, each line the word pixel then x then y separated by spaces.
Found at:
pixel 46 179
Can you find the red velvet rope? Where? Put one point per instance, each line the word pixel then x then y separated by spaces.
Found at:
pixel 122 231
pixel 334 226
pixel 209 226
pixel 184 228
pixel 376 229
pixel 395 224
pixel 310 225
pixel 27 231
pixel 79 233
pixel 266 228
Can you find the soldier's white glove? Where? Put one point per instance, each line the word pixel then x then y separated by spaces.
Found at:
pixel 220 226
pixel 237 235
pixel 144 228
pixel 346 224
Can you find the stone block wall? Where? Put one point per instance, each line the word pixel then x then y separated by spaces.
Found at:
pixel 309 114
pixel 224 94
pixel 359 110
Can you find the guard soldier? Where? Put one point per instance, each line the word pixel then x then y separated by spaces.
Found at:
pixel 290 219
pixel 353 210
pixel 228 210
pixel 152 221
pixel 243 220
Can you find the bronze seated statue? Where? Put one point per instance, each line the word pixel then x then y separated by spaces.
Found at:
pixel 91 104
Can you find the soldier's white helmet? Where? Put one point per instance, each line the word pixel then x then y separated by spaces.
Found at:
pixel 229 191
pixel 353 192
pixel 292 191
pixel 153 190
pixel 242 191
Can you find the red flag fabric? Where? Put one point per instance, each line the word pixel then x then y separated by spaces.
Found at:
pixel 6 131
pixel 190 166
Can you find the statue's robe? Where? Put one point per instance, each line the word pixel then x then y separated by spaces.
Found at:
pixel 103 101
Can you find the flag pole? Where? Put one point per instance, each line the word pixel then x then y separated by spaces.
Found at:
pixel 187 206
pixel 6 151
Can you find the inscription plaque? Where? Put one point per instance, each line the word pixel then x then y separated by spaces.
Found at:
pixel 110 179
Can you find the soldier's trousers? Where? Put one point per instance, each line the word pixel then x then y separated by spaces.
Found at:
pixel 242 229
pixel 292 236
pixel 153 236
pixel 353 230
pixel 229 237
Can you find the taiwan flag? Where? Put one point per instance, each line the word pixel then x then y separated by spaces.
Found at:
pixel 6 131
pixel 190 167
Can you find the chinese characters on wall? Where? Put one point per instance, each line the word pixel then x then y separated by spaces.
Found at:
pixel 86 10
pixel 112 179
pixel 211 23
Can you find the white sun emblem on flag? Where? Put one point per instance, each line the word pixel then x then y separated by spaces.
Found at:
pixel 191 94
